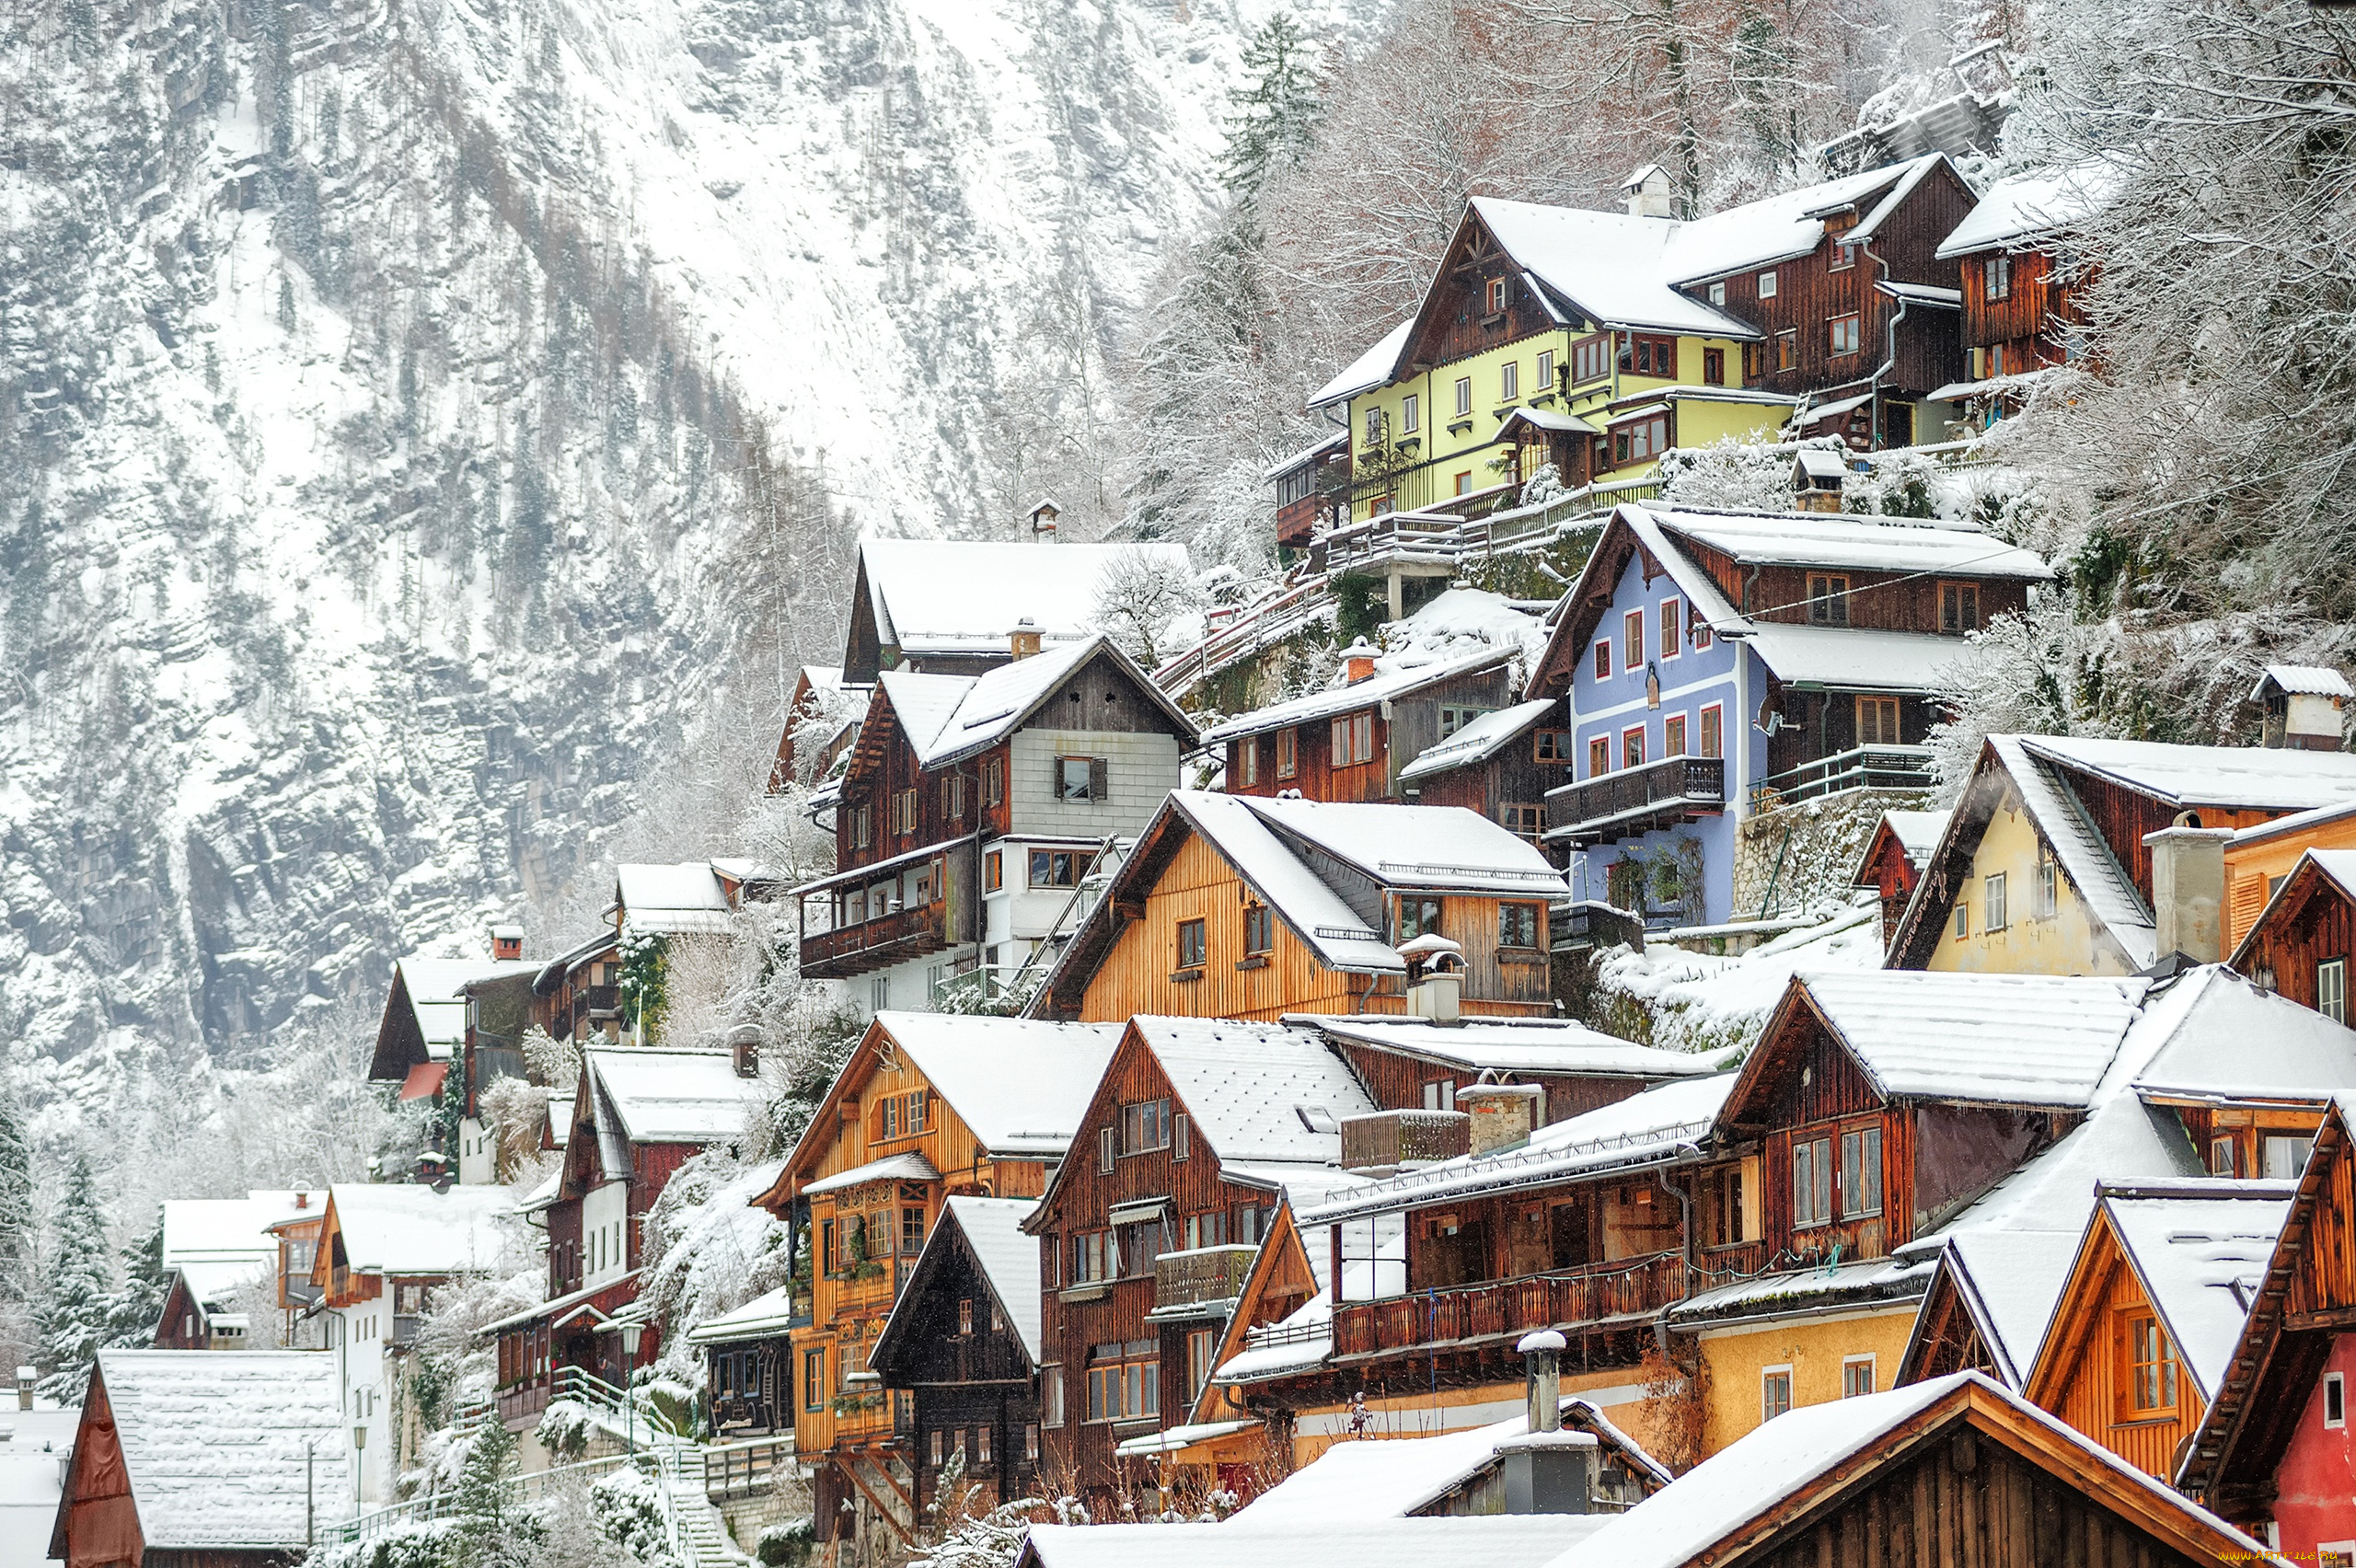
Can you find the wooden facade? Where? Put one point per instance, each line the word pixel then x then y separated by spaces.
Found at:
pixel 1947 1335
pixel 2302 946
pixel 1404 724
pixel 1507 786
pixel 2017 312
pixel 1887 869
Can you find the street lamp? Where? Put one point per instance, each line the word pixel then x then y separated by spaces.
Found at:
pixel 359 1451
pixel 631 1333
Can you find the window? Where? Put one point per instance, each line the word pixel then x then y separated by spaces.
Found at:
pixel 1080 778
pixel 1859 1172
pixel 1718 295
pixel 1192 949
pixel 1632 746
pixel 1958 607
pixel 1787 347
pixel 1856 1377
pixel 1604 658
pixel 1247 760
pixel 1878 721
pixel 1827 600
pixel 1672 626
pixel 940 1448
pixel 862 831
pixel 1991 902
pixel 994 781
pixel 1545 373
pixel 1631 640
pixel 1962 920
pixel 1247 1225
pixel 1206 1230
pixel 1374 427
pixel 1440 1095
pixel 1288 753
pixel 1259 929
pixel 1497 295
pixel 1509 380
pixel 966 1317
pixel 1030 1443
pixel 1645 354
pixel 1767 282
pixel 1106 1145
pixel 1774 1392
pixel 1712 731
pixel 1182 1141
pixel 2331 989
pixel 1641 441
pixel 813 1379
pixel 1417 916
pixel 952 797
pixel 1464 482
pixel 2221 1157
pixel 1549 745
pixel 1124 1381
pixel 1591 360
pixel 1840 257
pixel 1463 396
pixel 1411 414
pixel 1202 1344
pixel 1055 868
pixel 2151 1366
pixel 982 1445
pixel 912 1228
pixel 1051 1396
pixel 1722 1215
pixel 1454 719
pixel 2335 1399
pixel 1518 924
pixel 1672 736
pixel 1702 635
pixel 903 812
pixel 2282 1156
pixel 1714 361
pixel 1145 1125
pixel 1095 1254
pixel 1598 757
pixel 899 1115
pixel 1353 739
pixel 1844 333
pixel 1996 278
pixel 1811 1181
pixel 994 870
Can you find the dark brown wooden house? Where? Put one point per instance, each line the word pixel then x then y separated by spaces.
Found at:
pixel 2020 314
pixel 1312 490
pixel 2302 944
pixel 1900 846
pixel 1353 743
pixel 1501 765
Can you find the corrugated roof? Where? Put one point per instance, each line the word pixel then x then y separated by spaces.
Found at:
pixel 671 900
pixel 2303 680
pixel 1421 847
pixel 229 1448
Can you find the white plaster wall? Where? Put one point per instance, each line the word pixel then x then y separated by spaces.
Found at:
pixel 606 1212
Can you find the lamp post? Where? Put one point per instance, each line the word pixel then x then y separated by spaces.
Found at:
pixel 631 1333
pixel 359 1454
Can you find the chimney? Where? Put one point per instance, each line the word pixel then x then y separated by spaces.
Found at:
pixel 506 943
pixel 1647 192
pixel 1547 1470
pixel 2189 888
pixel 1435 977
pixel 1024 640
pixel 1357 662
pixel 1542 1354
pixel 745 1050
pixel 302 1200
pixel 25 1378
pixel 1504 1115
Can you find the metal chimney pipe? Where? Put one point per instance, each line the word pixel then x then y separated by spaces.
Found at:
pixel 1543 1351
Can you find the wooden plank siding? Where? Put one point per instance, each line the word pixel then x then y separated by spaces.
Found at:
pixel 2033 318
pixel 1409 726
pixel 2123 815
pixel 1886 601
pixel 2311 922
pixel 2081 1373
pixel 1469 329
pixel 1397 1082
pixel 970 1374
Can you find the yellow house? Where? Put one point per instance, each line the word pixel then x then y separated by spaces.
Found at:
pixel 1547 335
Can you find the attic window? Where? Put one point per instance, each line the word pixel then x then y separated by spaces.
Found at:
pixel 1497 295
pixel 1827 600
pixel 1316 1119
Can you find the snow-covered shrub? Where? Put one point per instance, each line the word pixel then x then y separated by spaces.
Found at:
pixel 565 1429
pixel 1543 485
pixel 713 1253
pixel 423 1545
pixel 627 1506
pixel 1730 475
pixel 516 1110
pixel 1686 1001
pixel 787 1543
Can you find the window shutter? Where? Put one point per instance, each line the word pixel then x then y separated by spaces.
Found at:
pixel 1178 1137
pixel 1098 770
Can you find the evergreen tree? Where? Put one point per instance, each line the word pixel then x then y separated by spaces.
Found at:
pixel 71 1316
pixel 490 1526
pixel 136 1308
pixel 15 1205
pixel 1276 113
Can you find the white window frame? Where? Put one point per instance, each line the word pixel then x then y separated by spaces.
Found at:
pixel 1872 1376
pixel 2331 989
pixel 1545 376
pixel 1411 414
pixel 1961 926
pixel 1769 282
pixel 1509 380
pixel 1993 903
pixel 1463 396
pixel 1767 1376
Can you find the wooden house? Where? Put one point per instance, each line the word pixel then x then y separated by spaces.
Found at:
pixel 2020 313
pixel 383 1248
pixel 2304 707
pixel 1239 907
pixel 1195 1129
pixel 748 1365
pixel 1411 1064
pixel 638 1115
pixel 449 1027
pixel 214 1250
pixel 1718 665
pixel 2259 860
pixel 930 1106
pixel 2301 945
pixel 1892 863
pixel 1311 487
pixel 972 809
pixel 2247 1075
pixel 2046 865
pixel 2153 1306
pixel 2271 1451
pixel 964 1340
pixel 1853 309
pixel 576 996
pixel 231 1459
pixel 1354 742
pixel 946 607
pixel 814 736
pixel 1500 764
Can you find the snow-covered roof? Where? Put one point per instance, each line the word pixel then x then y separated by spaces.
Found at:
pixel 1808 1290
pixel 2085 858
pixel 1658 1124
pixel 1613 267
pixel 1498 1541
pixel 671 900
pixel 1776 228
pixel 216 1284
pixel 1020 1085
pixel 2302 680
pixel 1334 442
pixel 1009 1259
pixel 2296 826
pixel 1480 740
pixel 1546 420
pixel 1336 933
pixel 1817 538
pixel 663 1096
pixel 2012 1039
pixel 231 1231
pixel 1248 1085
pixel 1420 847
pixel 1858 658
pixel 2201 1250
pixel 229 1448
pixel 1381 686
pixel 757 1319
pixel 1922 293
pixel 2247 778
pixel 949 718
pixel 1369 371
pixel 2011 1279
pixel 2027 206
pixel 909 1167
pixel 436 988
pixel 1518 1046
pixel 1390 1477
pixel 401 1229
pixel 2235 1042
pixel 946 598
pixel 1918 833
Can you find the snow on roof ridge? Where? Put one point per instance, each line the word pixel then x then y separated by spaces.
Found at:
pixel 1383 684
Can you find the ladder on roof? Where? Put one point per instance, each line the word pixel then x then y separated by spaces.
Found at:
pixel 1108 859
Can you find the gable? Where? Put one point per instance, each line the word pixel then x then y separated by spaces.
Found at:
pixel 400 1045
pixel 1585 606
pixel 1281 1279
pixel 1455 320
pixel 1799 1073
pixel 1133 1074
pixel 862 643
pixel 97 1518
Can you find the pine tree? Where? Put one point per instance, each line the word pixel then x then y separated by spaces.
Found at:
pixel 491 1525
pixel 71 1316
pixel 136 1307
pixel 1275 114
pixel 15 1205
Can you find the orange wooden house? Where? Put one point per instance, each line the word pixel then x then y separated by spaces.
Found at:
pixel 2150 1311
pixel 1232 907
pixel 928 1107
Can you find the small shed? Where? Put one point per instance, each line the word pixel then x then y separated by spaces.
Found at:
pixel 1818 474
pixel 2303 704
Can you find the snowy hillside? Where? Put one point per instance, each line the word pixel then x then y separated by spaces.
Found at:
pixel 418 415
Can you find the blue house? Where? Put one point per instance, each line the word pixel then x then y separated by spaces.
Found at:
pixel 1716 665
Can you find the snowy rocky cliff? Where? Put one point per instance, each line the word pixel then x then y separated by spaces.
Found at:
pixel 420 419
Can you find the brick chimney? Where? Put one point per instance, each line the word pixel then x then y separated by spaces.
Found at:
pixel 506 943
pixel 2189 888
pixel 1024 640
pixel 1504 1115
pixel 1357 662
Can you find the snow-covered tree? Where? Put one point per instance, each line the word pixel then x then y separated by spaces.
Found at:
pixel 491 1525
pixel 1273 113
pixel 1137 599
pixel 136 1308
pixel 75 1289
pixel 17 1223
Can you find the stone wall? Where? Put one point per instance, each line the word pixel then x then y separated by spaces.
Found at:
pixel 1800 857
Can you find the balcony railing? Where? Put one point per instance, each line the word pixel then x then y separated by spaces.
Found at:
pixel 1202 1275
pixel 1395 534
pixel 1635 800
pixel 905 933
pixel 1392 1139
pixel 1861 767
pixel 1469 1315
pixel 405 1329
pixel 605 1000
pixel 739 1469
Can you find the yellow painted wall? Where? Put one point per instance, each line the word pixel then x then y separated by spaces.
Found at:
pixel 1735 1363
pixel 2068 941
pixel 1701 423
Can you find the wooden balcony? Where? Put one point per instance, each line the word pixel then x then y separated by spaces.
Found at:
pixel 1637 799
pixel 875 944
pixel 1467 1316
pixel 1203 1276
pixel 1390 1139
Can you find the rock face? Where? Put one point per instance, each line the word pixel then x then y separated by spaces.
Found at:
pixel 417 417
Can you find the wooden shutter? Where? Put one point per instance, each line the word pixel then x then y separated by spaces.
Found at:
pixel 1099 777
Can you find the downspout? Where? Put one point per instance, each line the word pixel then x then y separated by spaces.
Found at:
pixel 1890 356
pixel 1685 1222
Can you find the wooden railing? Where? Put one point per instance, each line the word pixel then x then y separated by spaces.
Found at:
pixel 1636 798
pixel 854 949
pixel 1391 1138
pixel 1204 1273
pixel 735 1470
pixel 1496 1310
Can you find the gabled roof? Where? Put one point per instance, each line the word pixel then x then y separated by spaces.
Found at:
pixel 399 1228
pixel 2302 680
pixel 1382 687
pixel 947 719
pixel 1369 370
pixel 2231 778
pixel 1616 270
pixel 426 1007
pixel 941 597
pixel 222 1449
pixel 1479 741
pixel 232 1230
pixel 1860 543
pixel 671 900
pixel 1009 1261
pixel 2023 208
pixel 2235 1044
pixel 1494 1541
pixel 551 975
pixel 758 1318
pixel 653 1095
pixel 1437 847
pixel 1535 1045
pixel 1778 228
pixel 1247 1086
pixel 1916 833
